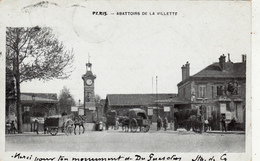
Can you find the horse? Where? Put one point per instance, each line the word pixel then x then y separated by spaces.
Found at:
pixel 79 121
pixel 125 124
pixel 195 123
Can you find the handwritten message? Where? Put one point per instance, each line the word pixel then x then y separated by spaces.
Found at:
pixel 136 157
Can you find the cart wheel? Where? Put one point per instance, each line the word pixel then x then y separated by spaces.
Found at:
pixel 53 131
pixel 133 125
pixel 146 128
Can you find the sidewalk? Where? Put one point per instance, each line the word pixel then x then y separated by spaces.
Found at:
pixel 227 132
pixel 153 127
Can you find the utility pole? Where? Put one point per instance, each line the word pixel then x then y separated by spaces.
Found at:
pixel 157 96
pixel 152 85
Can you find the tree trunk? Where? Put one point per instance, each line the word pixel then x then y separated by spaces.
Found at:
pixel 19 110
pixel 18 98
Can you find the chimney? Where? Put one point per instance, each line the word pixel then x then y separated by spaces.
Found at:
pixel 184 72
pixel 187 69
pixel 222 62
pixel 243 58
pixel 229 57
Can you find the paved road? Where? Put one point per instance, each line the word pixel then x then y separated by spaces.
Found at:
pixel 119 141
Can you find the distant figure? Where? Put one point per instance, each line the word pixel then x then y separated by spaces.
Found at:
pixel 210 124
pixel 223 124
pixel 159 123
pixel 36 126
pixel 206 125
pixel 64 113
pixel 165 123
pixel 13 128
pixel 232 124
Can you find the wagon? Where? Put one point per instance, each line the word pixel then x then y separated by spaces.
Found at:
pixel 189 119
pixel 138 118
pixel 111 120
pixel 55 123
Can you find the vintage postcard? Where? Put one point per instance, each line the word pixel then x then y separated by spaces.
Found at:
pixel 126 80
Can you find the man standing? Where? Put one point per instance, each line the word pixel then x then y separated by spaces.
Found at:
pixel 159 123
pixel 223 123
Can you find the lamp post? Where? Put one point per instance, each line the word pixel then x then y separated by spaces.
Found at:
pixel 203 113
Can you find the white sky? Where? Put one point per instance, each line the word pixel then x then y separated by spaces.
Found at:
pixel 127 51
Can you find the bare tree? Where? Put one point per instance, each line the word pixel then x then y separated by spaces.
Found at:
pixel 35 53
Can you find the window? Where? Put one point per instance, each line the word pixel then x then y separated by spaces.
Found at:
pixel 202 91
pixel 219 90
pixel 88 97
pixel 208 112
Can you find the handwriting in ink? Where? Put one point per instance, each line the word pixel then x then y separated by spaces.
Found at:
pixel 200 158
pixel 173 157
pixel 20 156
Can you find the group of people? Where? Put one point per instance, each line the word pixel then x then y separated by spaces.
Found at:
pixel 11 127
pixel 161 123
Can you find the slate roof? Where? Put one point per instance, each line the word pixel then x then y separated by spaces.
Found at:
pixel 39 97
pixel 234 70
pixel 213 71
pixel 139 99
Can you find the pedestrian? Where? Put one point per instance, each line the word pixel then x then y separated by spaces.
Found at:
pixel 223 124
pixel 210 124
pixel 36 126
pixel 206 125
pixel 159 123
pixel 232 124
pixel 13 128
pixel 165 123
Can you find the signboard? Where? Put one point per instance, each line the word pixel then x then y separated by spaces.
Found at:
pixel 228 115
pixel 74 109
pixel 81 111
pixel 26 108
pixel 92 108
pixel 223 108
pixel 167 108
pixel 150 111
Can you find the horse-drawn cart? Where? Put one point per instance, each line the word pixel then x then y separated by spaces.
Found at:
pixel 111 120
pixel 136 118
pixel 54 123
pixel 189 119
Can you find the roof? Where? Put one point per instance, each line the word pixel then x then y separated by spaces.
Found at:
pixel 39 97
pixel 136 99
pixel 233 70
pixel 175 100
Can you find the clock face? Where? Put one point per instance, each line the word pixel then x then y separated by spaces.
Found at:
pixel 89 82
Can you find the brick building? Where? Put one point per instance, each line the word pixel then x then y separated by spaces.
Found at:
pixel 217 90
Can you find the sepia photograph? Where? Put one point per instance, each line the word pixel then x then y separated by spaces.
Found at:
pixel 146 80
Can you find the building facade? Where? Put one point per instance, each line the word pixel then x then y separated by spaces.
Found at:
pixel 163 105
pixel 219 90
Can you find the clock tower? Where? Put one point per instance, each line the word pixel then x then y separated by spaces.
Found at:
pixel 89 92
